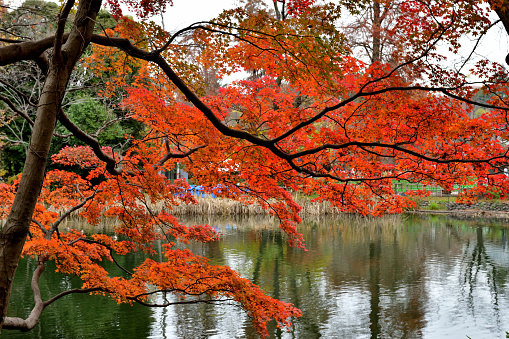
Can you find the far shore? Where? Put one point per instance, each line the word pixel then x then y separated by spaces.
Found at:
pixel 466 214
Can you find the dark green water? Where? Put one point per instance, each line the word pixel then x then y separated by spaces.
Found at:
pixel 411 277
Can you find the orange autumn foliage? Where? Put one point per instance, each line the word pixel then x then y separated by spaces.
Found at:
pixel 312 117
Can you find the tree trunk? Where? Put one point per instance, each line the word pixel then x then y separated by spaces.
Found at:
pixel 15 231
pixel 503 14
pixel 377 27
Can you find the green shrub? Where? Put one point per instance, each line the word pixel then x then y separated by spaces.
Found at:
pixel 434 206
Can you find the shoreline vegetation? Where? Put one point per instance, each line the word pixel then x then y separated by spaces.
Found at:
pixel 224 206
pixel 496 209
pixel 219 208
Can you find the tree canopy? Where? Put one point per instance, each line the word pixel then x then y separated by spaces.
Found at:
pixel 336 100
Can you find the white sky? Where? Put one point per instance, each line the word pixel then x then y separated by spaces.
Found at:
pixel 495 46
pixel 185 12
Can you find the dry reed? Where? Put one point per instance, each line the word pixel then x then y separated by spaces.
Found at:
pixel 221 206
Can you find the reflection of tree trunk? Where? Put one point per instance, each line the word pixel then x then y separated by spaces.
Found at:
pixel 480 240
pixel 259 259
pixel 504 239
pixel 276 286
pixel 375 249
pixel 475 265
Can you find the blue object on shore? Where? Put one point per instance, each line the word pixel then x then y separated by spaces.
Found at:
pixel 199 191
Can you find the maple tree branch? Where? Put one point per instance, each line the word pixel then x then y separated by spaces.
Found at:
pixel 170 155
pixel 212 30
pixel 199 301
pixel 361 94
pixel 55 225
pixel 90 241
pixel 138 298
pixel 111 163
pixel 200 25
pixel 72 291
pixel 406 63
pixel 126 46
pixel 391 146
pixel 41 226
pixel 478 41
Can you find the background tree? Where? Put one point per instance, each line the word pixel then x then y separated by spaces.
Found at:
pixel 32 20
pixel 320 120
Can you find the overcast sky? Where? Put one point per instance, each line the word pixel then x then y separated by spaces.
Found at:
pixel 185 12
pixel 495 46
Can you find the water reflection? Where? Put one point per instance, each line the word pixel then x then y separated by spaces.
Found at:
pixel 406 277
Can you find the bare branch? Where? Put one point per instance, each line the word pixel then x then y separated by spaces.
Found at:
pixel 18 92
pixel 16 110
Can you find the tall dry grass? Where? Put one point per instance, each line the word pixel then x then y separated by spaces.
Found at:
pixel 221 206
pixel 207 207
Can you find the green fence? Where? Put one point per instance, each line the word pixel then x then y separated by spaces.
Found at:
pixel 401 187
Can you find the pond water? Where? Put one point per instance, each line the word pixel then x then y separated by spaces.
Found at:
pixel 396 277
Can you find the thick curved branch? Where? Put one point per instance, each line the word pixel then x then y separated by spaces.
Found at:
pixel 30 322
pixel 59 36
pixel 28 50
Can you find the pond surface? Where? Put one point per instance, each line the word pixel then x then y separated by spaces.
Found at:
pixel 403 277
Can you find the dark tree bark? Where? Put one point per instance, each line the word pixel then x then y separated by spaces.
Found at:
pixel 377 27
pixel 63 61
pixel 503 14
